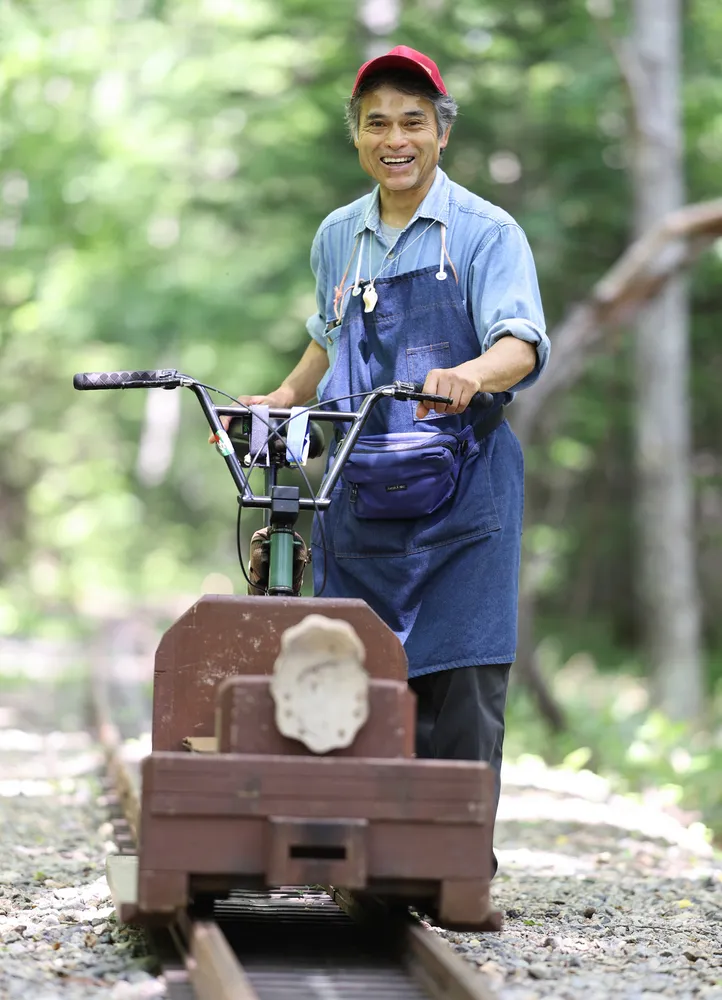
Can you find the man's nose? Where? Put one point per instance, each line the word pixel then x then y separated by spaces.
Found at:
pixel 396 136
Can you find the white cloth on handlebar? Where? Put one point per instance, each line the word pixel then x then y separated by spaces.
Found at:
pixel 297 437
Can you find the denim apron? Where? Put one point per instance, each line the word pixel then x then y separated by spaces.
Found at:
pixel 446 583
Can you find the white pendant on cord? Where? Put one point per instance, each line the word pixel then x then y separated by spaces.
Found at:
pixel 370 298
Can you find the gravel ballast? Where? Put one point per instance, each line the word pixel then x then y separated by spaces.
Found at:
pixel 58 934
pixel 603 896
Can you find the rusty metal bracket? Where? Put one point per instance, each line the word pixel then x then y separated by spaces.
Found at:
pixel 317 852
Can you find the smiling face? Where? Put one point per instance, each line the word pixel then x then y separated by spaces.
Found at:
pixel 398 140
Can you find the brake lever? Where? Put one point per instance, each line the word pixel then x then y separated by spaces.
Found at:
pixel 415 391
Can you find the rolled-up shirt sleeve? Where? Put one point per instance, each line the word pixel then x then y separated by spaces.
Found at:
pixel 504 296
pixel 316 324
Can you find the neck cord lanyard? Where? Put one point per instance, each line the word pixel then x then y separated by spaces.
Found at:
pixel 370 295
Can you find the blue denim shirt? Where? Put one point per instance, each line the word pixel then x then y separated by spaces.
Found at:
pixel 489 251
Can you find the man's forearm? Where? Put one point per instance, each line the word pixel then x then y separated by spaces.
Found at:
pixel 300 385
pixel 506 362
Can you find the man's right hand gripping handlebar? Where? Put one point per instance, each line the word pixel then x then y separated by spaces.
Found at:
pixel 455 383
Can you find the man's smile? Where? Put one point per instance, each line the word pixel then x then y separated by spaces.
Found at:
pixel 397 162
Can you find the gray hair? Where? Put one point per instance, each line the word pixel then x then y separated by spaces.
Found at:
pixel 414 84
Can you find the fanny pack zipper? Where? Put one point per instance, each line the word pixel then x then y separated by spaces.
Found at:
pixel 370 450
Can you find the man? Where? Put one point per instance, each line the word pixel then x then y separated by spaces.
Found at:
pixel 423 281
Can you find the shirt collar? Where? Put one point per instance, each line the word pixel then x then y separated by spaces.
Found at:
pixel 434 206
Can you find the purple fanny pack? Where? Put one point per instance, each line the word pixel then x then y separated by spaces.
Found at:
pixel 403 475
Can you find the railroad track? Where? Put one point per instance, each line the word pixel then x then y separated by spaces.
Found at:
pixel 306 944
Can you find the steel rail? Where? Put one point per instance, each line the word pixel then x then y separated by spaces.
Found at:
pixel 214 970
pixel 198 958
pixel 442 973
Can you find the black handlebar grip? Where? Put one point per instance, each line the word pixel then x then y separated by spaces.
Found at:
pixel 118 380
pixel 481 399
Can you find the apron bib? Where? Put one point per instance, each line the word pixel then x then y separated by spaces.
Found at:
pixel 445 583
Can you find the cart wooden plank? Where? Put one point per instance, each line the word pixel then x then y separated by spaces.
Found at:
pixel 246 721
pixel 445 792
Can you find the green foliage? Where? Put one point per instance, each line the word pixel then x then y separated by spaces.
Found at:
pixel 161 184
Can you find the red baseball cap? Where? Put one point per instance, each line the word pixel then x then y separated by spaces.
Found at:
pixel 402 57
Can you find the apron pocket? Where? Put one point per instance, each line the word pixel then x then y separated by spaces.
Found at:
pixel 420 361
pixel 402 476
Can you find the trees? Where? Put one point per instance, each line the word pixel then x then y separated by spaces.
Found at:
pixel 650 270
pixel 666 552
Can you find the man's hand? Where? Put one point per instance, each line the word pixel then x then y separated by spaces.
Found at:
pixel 457 383
pixel 281 398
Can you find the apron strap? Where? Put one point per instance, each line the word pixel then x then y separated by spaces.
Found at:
pixel 484 427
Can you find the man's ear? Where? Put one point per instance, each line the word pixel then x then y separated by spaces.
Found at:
pixel 355 142
pixel 445 138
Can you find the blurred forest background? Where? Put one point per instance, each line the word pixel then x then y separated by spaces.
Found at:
pixel 164 165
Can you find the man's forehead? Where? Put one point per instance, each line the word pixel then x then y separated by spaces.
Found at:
pixel 386 99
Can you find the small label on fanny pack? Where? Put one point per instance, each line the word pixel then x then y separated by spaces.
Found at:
pixel 396 488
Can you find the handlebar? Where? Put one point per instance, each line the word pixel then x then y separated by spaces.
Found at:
pixel 169 378
pixel 159 378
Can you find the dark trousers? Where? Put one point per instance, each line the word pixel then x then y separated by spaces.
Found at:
pixel 460 716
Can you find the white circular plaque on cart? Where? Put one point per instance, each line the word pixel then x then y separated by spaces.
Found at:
pixel 320 685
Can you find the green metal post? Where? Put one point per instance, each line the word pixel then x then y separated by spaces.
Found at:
pixel 280 570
